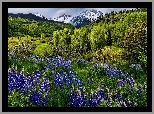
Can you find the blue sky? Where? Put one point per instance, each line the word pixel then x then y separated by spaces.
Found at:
pixel 55 12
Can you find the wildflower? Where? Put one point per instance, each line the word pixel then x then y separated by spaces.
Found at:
pixel 45 85
pixel 120 82
pixel 115 96
pixel 135 104
pixel 131 88
pixel 123 104
pixel 35 98
pixel 139 91
pixel 145 87
pixel 92 80
pixel 109 100
pixel 128 103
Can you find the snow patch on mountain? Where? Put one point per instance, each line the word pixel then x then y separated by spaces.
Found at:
pixel 63 18
pixel 77 20
pixel 39 15
pixel 84 16
pixel 91 14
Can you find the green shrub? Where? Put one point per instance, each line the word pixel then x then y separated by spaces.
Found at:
pixel 109 54
pixel 135 43
pixel 43 50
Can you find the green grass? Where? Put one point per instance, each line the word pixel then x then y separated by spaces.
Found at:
pixel 60 97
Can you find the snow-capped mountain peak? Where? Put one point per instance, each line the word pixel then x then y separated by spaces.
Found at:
pixel 91 14
pixel 39 15
pixel 80 20
pixel 63 18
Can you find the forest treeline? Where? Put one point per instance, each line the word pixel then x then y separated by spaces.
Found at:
pixel 117 37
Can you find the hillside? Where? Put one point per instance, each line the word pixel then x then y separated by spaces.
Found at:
pixel 86 41
pixel 33 26
pixel 29 16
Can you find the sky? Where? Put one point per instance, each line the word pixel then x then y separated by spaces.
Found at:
pixel 55 12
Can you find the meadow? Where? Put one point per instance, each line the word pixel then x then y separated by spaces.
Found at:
pixel 59 82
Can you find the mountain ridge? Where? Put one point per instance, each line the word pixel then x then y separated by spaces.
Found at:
pixel 80 20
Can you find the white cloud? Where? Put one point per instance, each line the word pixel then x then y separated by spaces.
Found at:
pixel 67 11
pixel 55 12
pixel 47 12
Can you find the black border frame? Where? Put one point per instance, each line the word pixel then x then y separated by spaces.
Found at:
pixel 6 5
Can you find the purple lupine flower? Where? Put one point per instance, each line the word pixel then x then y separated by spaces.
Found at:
pixel 64 78
pixel 120 82
pixel 53 74
pixel 91 101
pixel 101 92
pixel 45 85
pixel 119 98
pixel 12 80
pixel 68 83
pixel 128 103
pixel 35 98
pixel 99 96
pixel 92 80
pixel 138 67
pixel 139 91
pixel 131 81
pixel 115 96
pixel 95 99
pixel 131 88
pixel 11 55
pixel 132 66
pixel 70 77
pixel 61 72
pixel 122 103
pixel 84 99
pixel 78 99
pixel 72 95
pixel 109 100
pixel 45 100
pixel 111 73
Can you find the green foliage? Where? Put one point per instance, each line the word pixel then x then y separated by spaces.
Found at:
pixel 88 56
pixel 16 99
pixel 23 45
pixel 10 62
pixel 29 65
pixel 135 43
pixel 56 38
pixel 79 41
pixel 109 54
pixel 12 43
pixel 43 50
pixel 87 42
pixel 20 27
pixel 123 25
pixel 98 37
